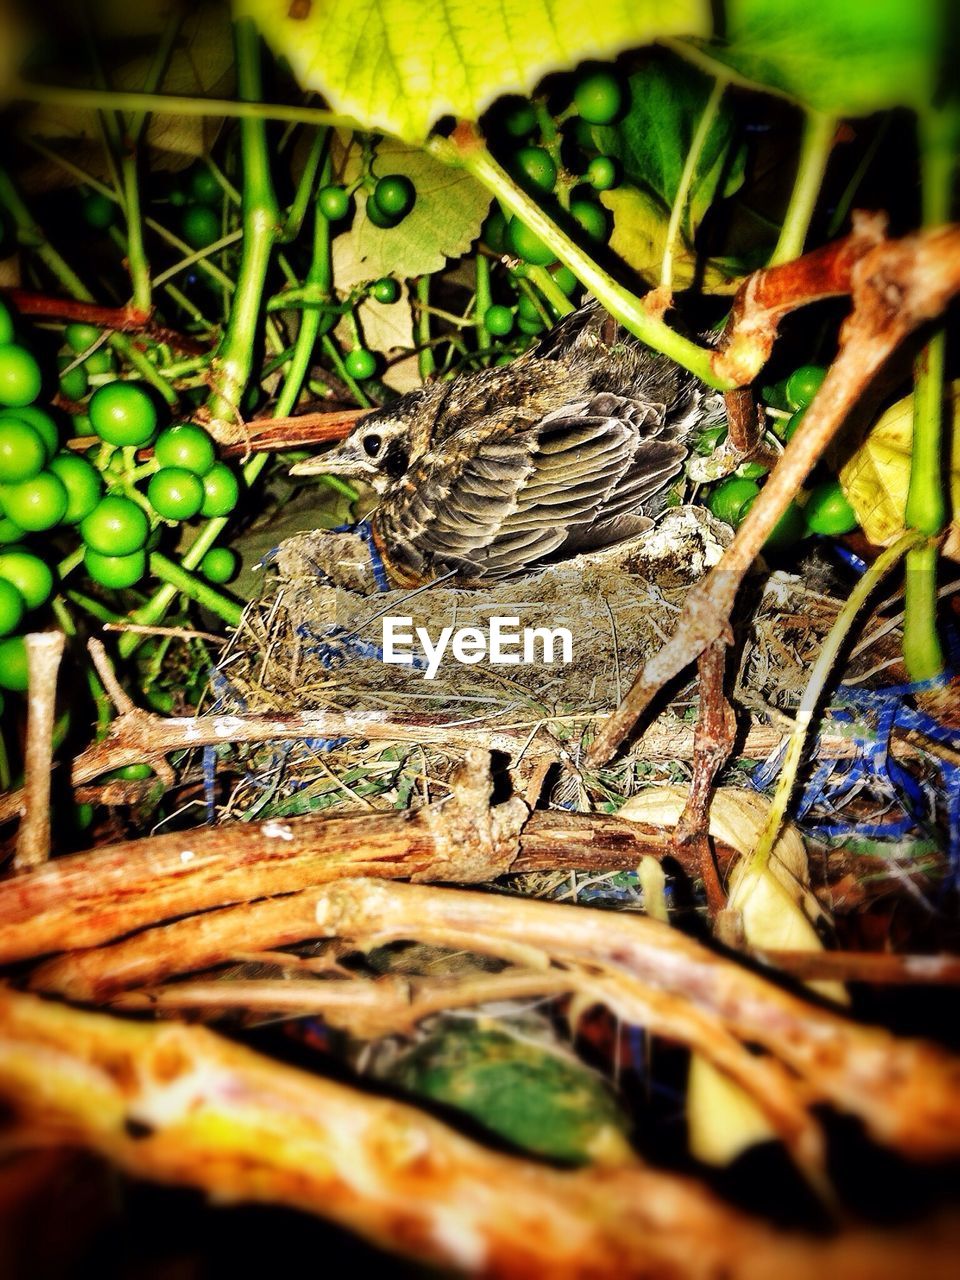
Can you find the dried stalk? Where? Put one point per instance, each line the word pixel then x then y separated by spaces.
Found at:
pixel 895 286
pixel 127 319
pixel 180 1104
pixel 44 651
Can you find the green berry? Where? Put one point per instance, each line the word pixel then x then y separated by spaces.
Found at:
pixel 97 210
pixel 394 195
pixel 79 337
pixel 9 532
pixel 386 290
pixel 219 564
pixel 6 324
pixel 123 414
pixel 204 187
pixel 115 572
pixel 175 493
pixel 115 527
pixel 591 217
pixel 82 483
pixel 598 97
pixel 333 203
pixel 13 664
pixel 752 470
pixel 803 384
pixel 827 511
pixel 602 173
pixel 493 233
pixel 566 280
pixel 35 504
pixel 360 364
pixel 775 394
pixel 498 320
pixel 733 498
pixel 530 326
pixel 42 423
pixel 185 445
pixel 537 167
pixel 528 310
pixel 100 361
pixel 521 120
pixel 28 573
pixel 788 530
pixel 380 219
pixel 20 378
pixel 526 245
pixel 786 428
pixel 200 225
pixel 73 384
pixel 12 607
pixel 709 439
pixel 22 451
pixel 221 491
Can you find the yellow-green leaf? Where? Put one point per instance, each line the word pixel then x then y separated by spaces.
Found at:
pixel 876 477
pixel 640 235
pixel 399 65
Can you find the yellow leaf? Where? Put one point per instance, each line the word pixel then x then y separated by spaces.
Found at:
pixel 400 65
pixel 875 478
pixel 640 234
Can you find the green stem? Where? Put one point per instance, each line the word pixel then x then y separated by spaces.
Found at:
pixel 319 276
pixel 926 508
pixel 137 263
pixel 426 363
pixel 32 236
pixel 185 582
pixel 681 199
pixel 176 105
pixel 815 147
pixel 484 299
pixel 152 612
pixel 260 223
pixel 619 301
pixel 545 282
pixel 161 59
pixel 301 199
pixel 813 693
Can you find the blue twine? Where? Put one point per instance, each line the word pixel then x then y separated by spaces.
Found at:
pixel 872 716
pixel 364 530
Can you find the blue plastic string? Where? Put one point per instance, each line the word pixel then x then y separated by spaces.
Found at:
pixel 871 717
pixel 364 530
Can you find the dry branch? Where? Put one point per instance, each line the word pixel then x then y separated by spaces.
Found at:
pixel 128 319
pixel 90 898
pixel 180 1104
pixel 44 651
pixel 896 286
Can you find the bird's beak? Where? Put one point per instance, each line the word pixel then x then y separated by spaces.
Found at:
pixel 345 460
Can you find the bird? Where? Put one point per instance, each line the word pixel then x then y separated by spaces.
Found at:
pixel 571 447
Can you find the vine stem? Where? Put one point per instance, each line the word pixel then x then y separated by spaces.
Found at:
pixel 482 301
pixel 926 508
pixel 261 226
pixel 813 693
pixel 815 146
pixel 426 363
pixel 465 148
pixel 681 200
pixel 31 235
pixel 176 105
pixel 176 576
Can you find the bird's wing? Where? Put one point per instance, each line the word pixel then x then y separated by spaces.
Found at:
pixel 516 499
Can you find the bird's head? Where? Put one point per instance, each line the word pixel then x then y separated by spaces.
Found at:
pixel 379 449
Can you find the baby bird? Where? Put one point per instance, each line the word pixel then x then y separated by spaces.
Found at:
pixel 570 447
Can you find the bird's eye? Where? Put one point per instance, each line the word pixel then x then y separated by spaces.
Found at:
pixel 371 445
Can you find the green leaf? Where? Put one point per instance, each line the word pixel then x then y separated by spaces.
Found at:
pixel 534 1098
pixel 399 65
pixel 444 221
pixel 667 99
pixel 841 58
pixel 639 237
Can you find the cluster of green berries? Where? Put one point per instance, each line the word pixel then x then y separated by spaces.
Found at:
pixel 44 488
pixel 200 201
pixel 389 200
pixel 822 510
pixel 597 100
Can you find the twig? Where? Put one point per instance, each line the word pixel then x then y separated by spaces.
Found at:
pixel 182 1105
pixel 44 651
pixel 896 286
pixel 127 319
